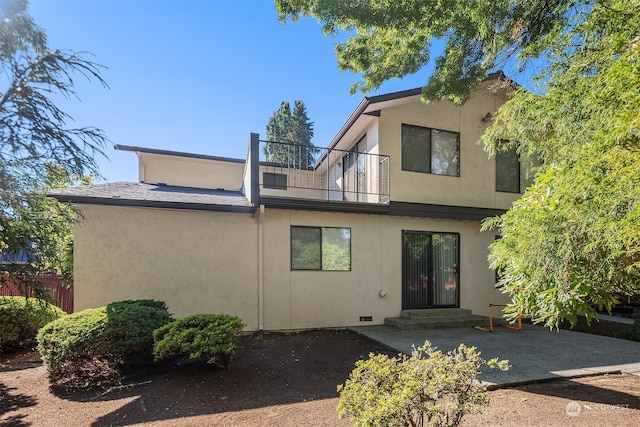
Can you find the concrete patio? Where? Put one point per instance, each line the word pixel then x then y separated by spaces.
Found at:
pixel 535 353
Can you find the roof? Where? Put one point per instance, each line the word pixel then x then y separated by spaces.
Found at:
pixel 155 196
pixel 175 153
pixel 8 257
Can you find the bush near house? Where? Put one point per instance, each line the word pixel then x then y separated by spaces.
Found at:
pixel 20 320
pixel 426 388
pixel 95 347
pixel 633 332
pixel 212 336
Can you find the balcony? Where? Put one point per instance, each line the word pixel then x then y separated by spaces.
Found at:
pixel 295 171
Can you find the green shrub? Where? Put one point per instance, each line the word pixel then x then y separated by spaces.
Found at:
pixel 95 346
pixel 426 388
pixel 20 320
pixel 633 332
pixel 212 336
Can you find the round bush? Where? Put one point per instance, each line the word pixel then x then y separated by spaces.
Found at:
pixel 95 346
pixel 20 320
pixel 212 336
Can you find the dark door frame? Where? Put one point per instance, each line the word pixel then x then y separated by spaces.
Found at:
pixel 418 284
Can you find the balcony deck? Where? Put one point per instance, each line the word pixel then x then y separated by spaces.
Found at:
pixel 288 170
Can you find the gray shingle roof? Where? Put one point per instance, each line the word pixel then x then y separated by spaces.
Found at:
pixel 152 195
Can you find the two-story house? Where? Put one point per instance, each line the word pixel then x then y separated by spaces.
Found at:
pixel 386 217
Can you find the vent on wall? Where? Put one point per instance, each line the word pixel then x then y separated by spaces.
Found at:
pixel 366 318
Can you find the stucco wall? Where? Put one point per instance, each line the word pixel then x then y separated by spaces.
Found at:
pixel 476 184
pixel 190 172
pixel 197 262
pixel 311 299
pixel 207 262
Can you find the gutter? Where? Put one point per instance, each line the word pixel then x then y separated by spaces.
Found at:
pixel 260 271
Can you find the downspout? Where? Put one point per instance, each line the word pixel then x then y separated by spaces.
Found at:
pixel 260 272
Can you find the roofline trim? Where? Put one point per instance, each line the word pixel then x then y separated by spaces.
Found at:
pixel 401 209
pixel 368 100
pixel 175 153
pixel 152 204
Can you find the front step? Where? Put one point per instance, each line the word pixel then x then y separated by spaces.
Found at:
pixel 438 318
pixel 434 313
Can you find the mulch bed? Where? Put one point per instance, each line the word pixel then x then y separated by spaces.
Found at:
pixel 283 380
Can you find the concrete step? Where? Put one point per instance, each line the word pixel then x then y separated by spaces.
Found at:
pixel 404 323
pixel 435 313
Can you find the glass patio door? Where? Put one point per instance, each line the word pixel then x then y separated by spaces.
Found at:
pixel 355 172
pixel 430 273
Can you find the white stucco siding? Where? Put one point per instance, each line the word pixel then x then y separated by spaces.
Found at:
pixel 197 262
pixel 190 172
pixel 476 184
pixel 312 299
pixel 207 262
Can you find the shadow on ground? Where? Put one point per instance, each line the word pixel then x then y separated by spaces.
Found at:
pixel 11 401
pixel 597 389
pixel 274 370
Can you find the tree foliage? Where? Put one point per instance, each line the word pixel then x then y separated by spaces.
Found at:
pixel 572 243
pixel 38 148
pixel 289 136
pixel 394 38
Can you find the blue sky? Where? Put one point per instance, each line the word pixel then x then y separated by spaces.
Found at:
pixel 198 76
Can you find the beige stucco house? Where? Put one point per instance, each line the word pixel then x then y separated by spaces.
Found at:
pixel 386 218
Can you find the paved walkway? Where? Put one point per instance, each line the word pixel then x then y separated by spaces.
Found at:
pixel 534 353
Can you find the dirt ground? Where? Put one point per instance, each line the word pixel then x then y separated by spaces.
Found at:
pixel 286 380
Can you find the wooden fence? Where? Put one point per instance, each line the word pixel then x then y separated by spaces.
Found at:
pixel 60 290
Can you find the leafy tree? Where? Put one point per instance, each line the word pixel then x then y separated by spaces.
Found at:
pixel 392 39
pixel 571 244
pixel 37 147
pixel 289 136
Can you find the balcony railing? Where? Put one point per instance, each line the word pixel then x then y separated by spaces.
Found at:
pixel 301 171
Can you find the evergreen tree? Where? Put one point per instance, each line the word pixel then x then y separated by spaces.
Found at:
pixel 289 137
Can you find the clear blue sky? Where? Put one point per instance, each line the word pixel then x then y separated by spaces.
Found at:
pixel 198 76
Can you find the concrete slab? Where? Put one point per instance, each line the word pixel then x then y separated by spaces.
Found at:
pixel 535 353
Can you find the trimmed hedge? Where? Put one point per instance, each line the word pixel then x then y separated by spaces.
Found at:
pixel 20 320
pixel 95 346
pixel 212 336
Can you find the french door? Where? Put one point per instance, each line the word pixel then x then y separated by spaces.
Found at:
pixel 430 273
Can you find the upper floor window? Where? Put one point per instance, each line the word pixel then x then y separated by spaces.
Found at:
pixel 430 150
pixel 274 180
pixel 514 173
pixel 320 248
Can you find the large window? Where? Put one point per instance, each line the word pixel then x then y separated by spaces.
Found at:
pixel 430 150
pixel 320 248
pixel 514 173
